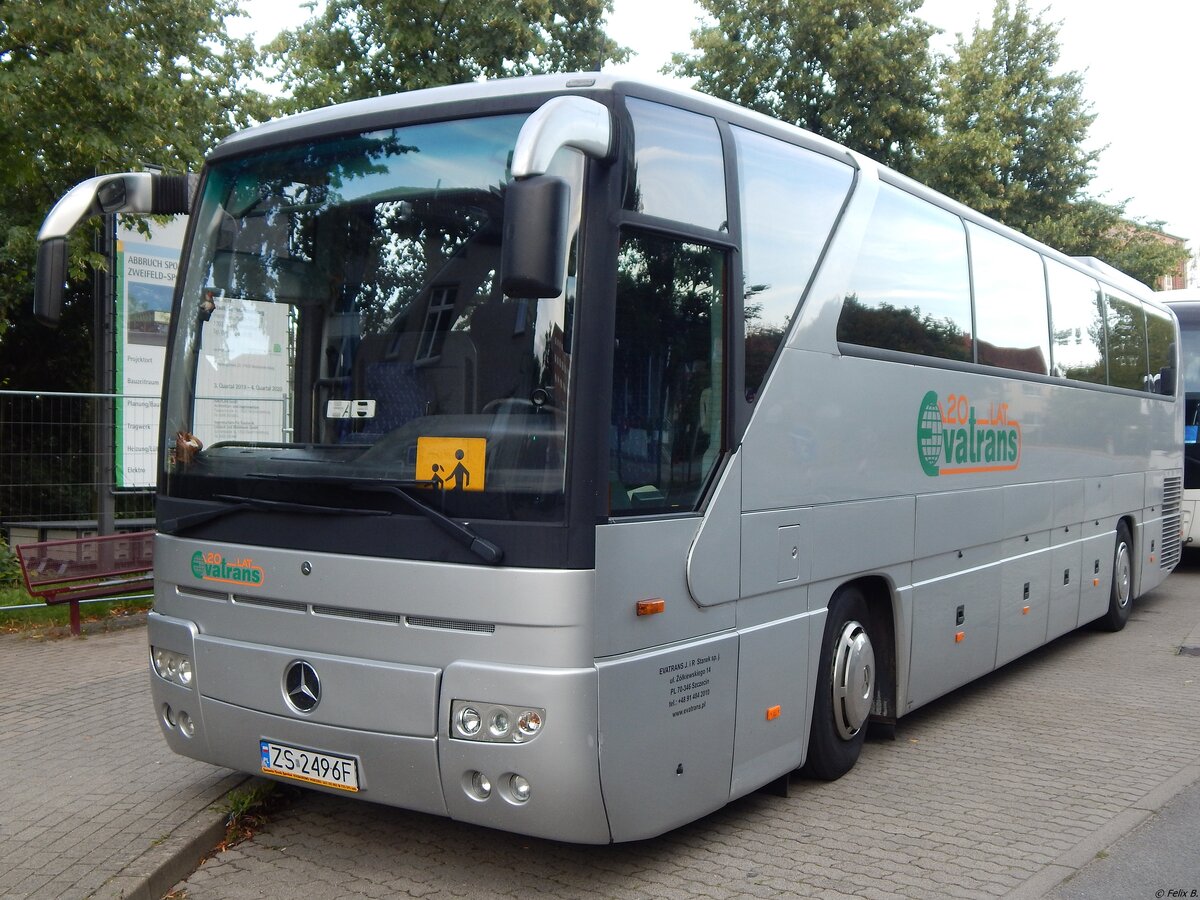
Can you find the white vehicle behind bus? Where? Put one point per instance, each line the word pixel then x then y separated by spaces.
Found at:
pixel 572 455
pixel 1186 306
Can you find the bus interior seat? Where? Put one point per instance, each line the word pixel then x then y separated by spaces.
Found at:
pixel 383 372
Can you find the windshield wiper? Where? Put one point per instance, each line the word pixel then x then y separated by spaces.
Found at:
pixel 238 504
pixel 481 547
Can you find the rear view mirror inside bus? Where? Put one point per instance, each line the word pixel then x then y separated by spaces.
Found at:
pixel 536 212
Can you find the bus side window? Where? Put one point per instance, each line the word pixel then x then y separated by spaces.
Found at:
pixel 668 369
pixel 1160 336
pixel 679 166
pixel 910 290
pixel 790 199
pixel 1127 363
pixel 1011 326
pixel 1077 325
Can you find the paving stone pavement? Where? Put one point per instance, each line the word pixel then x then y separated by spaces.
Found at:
pixel 1007 787
pixel 93 804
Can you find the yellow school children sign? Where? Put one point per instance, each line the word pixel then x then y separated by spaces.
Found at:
pixel 452 464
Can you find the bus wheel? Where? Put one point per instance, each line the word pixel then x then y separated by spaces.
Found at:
pixel 845 689
pixel 1120 597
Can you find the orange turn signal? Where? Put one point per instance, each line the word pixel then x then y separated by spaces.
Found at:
pixel 774 712
pixel 959 636
pixel 1025 611
pixel 651 607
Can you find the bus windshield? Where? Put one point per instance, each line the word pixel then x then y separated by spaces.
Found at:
pixel 341 321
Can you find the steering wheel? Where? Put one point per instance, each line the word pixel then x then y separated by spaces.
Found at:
pixel 493 405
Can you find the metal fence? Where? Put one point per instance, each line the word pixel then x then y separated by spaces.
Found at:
pixel 62 467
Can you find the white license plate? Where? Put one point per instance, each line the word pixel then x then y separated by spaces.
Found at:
pixel 326 769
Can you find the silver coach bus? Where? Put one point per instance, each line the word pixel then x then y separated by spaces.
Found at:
pixel 570 455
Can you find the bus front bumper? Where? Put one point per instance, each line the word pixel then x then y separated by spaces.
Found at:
pixel 393 722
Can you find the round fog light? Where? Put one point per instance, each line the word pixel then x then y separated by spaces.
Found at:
pixel 519 787
pixel 186 725
pixel 168 715
pixel 481 785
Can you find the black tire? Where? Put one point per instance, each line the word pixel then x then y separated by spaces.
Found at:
pixel 1120 595
pixel 840 710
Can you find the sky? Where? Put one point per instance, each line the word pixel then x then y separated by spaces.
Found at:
pixel 1137 65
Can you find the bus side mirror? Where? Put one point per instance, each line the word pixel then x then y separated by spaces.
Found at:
pixel 131 192
pixel 50 281
pixel 533 256
pixel 533 259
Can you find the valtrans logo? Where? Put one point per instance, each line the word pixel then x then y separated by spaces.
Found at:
pixel 211 566
pixel 953 440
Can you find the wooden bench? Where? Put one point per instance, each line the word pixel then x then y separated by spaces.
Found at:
pixel 88 568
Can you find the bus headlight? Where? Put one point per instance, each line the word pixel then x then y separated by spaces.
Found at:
pixel 171 666
pixel 467 721
pixel 499 723
pixel 495 723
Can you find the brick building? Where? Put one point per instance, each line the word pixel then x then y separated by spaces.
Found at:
pixel 1178 279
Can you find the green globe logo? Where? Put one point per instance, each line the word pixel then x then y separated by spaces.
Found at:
pixel 198 564
pixel 929 434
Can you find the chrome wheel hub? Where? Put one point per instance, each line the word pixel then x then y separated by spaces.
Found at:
pixel 1122 575
pixel 853 679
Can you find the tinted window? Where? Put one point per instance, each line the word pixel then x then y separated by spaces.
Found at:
pixel 679 168
pixel 668 366
pixel 910 289
pixel 1126 342
pixel 1077 321
pixel 1160 338
pixel 1011 329
pixel 790 198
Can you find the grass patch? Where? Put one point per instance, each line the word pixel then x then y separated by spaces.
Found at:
pixel 14 620
pixel 249 809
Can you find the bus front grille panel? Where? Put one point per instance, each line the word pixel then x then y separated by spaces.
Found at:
pixel 361 615
pixel 271 603
pixel 371 616
pixel 1172 539
pixel 449 625
pixel 192 593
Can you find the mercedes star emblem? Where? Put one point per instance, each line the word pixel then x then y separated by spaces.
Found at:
pixel 302 687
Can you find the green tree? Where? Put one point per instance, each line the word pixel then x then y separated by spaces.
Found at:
pixel 1010 143
pixel 856 71
pixel 95 86
pixel 1011 129
pixel 365 48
